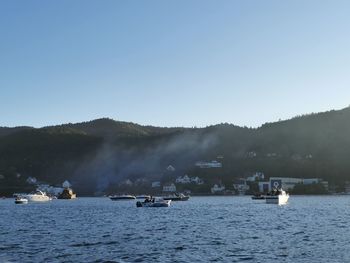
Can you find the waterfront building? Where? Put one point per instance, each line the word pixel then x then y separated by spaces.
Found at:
pixel 256 177
pixel 169 188
pixel 188 180
pixel 197 180
pixel 288 183
pixel 183 179
pixel 312 181
pixel 217 188
pixel 155 184
pixel 240 186
pixel 207 165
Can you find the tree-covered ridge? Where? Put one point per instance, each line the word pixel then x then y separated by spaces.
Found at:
pixel 6 130
pixel 99 154
pixel 106 127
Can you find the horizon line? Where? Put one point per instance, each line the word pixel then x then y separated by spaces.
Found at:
pixel 169 127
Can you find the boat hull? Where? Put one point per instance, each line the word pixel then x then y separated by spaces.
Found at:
pixel 73 196
pixel 166 203
pixel 67 194
pixel 279 199
pixel 37 198
pixel 21 201
pixel 258 197
pixel 185 198
pixel 121 198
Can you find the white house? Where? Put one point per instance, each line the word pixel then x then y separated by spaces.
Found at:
pixel 288 183
pixel 188 180
pixel 169 188
pixel 255 177
pixel 240 185
pixel 312 181
pixel 197 180
pixel 171 168
pixel 155 184
pixel 66 184
pixel 217 188
pixel 183 179
pixel 206 165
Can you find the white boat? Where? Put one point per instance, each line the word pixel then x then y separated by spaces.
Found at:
pixel 38 196
pixel 143 196
pixel 155 202
pixel 21 200
pixel 279 197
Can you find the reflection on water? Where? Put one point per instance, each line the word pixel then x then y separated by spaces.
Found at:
pixel 204 229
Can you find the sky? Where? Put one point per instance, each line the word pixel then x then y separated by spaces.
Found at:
pixel 172 63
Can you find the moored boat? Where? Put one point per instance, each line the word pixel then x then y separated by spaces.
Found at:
pixel 67 193
pixel 177 197
pixel 37 196
pixel 122 197
pixel 154 202
pixel 258 197
pixel 21 200
pixel 279 197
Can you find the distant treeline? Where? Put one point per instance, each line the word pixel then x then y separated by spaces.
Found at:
pixel 98 155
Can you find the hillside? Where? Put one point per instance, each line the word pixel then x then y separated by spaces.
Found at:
pixel 108 128
pixel 99 154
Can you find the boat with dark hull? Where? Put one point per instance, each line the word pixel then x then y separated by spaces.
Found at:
pixel 277 196
pixel 67 194
pixel 177 197
pixel 258 197
pixel 154 202
pixel 21 200
pixel 122 197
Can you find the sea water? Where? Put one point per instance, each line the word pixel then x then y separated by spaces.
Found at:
pixel 203 229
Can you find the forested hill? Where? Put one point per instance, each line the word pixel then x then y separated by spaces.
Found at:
pixel 101 153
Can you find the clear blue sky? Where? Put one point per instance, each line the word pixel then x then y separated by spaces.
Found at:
pixel 172 63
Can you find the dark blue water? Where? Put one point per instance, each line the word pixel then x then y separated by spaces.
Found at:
pixel 204 229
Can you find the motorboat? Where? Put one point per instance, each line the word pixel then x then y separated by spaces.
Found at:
pixel 67 193
pixel 177 197
pixel 21 200
pixel 37 196
pixel 258 197
pixel 279 197
pixel 122 197
pixel 143 196
pixel 154 202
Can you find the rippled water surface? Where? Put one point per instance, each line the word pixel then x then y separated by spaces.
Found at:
pixel 204 229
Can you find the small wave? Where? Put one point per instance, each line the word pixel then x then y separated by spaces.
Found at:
pixel 86 244
pixel 298 233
